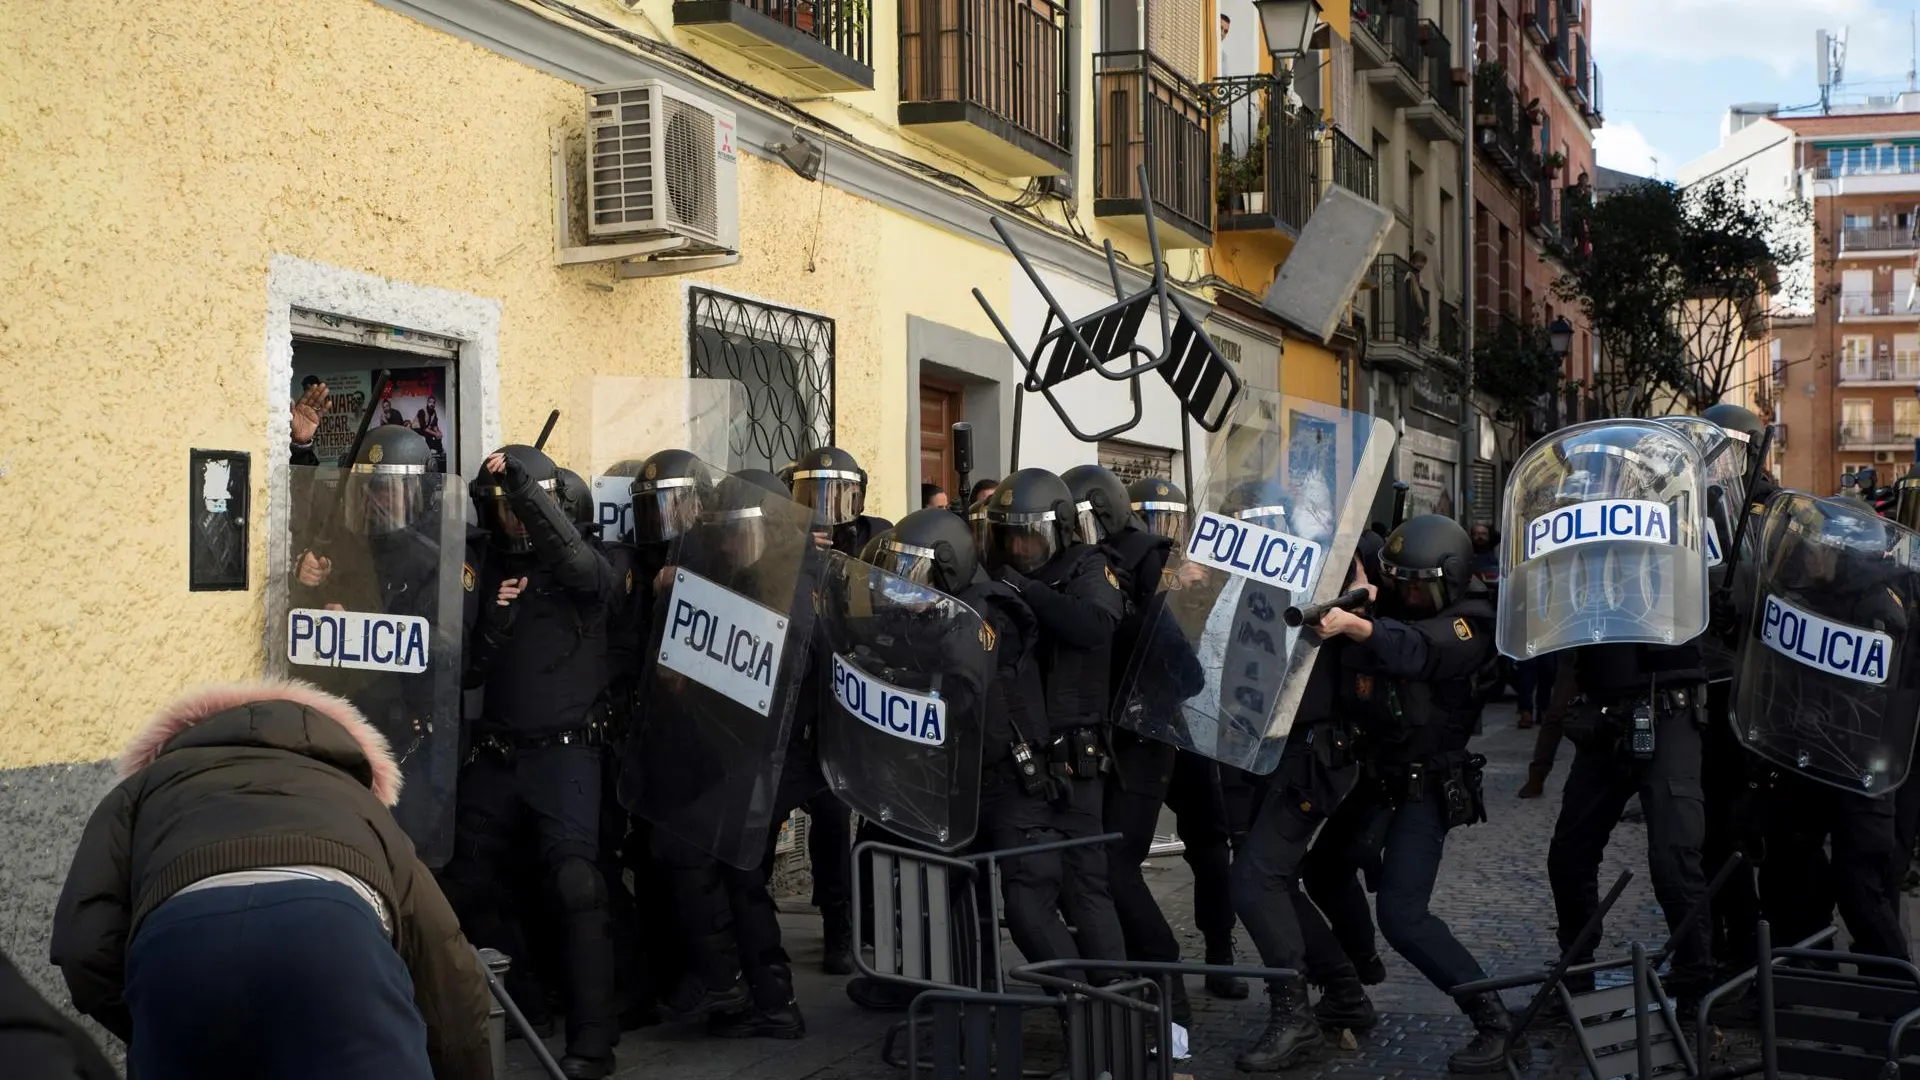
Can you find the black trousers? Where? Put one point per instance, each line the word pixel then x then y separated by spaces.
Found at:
pixel 1034 888
pixel 1723 783
pixel 1142 923
pixel 1406 840
pixel 1599 783
pixel 1801 885
pixel 1201 819
pixel 555 792
pixel 756 920
pixel 1287 930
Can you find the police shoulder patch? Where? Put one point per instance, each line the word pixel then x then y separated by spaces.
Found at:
pixel 1168 579
pixel 987 639
pixel 1461 630
pixel 1111 580
pixel 466 576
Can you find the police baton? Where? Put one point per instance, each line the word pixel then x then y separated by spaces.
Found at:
pixel 552 419
pixel 962 466
pixel 381 380
pixel 1399 504
pixel 1351 600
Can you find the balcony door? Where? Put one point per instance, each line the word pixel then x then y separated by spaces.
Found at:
pixel 1856 292
pixel 941 406
pixel 1856 421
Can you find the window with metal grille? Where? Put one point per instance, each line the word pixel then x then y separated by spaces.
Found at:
pixel 1132 461
pixel 782 358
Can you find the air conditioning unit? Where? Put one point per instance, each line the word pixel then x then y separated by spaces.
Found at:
pixel 1883 457
pixel 661 163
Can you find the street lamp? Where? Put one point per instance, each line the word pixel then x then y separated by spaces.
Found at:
pixel 1560 337
pixel 1287 24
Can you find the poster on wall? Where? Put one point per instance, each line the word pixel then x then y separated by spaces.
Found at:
pixel 413 399
pixel 1313 448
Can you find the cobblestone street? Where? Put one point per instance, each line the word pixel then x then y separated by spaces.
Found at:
pixel 1493 891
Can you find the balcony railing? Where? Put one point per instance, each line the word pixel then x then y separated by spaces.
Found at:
pixel 1501 132
pixel 999 66
pixel 826 44
pixel 1904 368
pixel 1538 22
pixel 1582 72
pixel 1858 240
pixel 1402 30
pixel 1449 339
pixel 1868 168
pixel 1267 172
pixel 1864 433
pixel 1880 303
pixel 1353 168
pixel 1545 215
pixel 1145 113
pixel 1595 108
pixel 1439 70
pixel 1560 57
pixel 1399 305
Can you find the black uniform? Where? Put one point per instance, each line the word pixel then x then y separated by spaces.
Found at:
pixel 1615 680
pixel 1059 705
pixel 536 757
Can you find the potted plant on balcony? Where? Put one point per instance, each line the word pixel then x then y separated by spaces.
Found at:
pixel 1553 162
pixel 848 16
pixel 1489 82
pixel 1254 167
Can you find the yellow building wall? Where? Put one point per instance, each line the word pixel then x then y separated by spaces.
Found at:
pixel 149 169
pixel 1310 370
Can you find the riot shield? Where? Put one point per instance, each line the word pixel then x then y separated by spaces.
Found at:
pixel 1605 540
pixel 1284 500
pixel 375 617
pixel 1828 687
pixel 730 646
pixel 903 702
pixel 621 420
pixel 1724 460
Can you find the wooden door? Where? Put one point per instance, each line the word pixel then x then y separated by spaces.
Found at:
pixel 940 409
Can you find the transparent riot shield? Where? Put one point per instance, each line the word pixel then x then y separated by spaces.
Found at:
pixel 1287 489
pixel 730 646
pixel 622 420
pixel 1605 540
pixel 1724 460
pixel 1828 685
pixel 906 670
pixel 371 610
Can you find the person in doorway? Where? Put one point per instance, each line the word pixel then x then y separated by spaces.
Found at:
pixel 243 904
pixel 932 497
pixel 1413 318
pixel 982 491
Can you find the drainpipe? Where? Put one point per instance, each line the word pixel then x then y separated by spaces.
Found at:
pixel 1469 420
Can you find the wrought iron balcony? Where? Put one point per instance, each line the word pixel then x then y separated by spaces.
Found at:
pixel 1583 74
pixel 1502 132
pixel 1900 368
pixel 1560 54
pixel 825 44
pixel 988 78
pixel 1595 110
pixel 1544 215
pixel 1438 117
pixel 1145 113
pixel 1449 339
pixel 1877 434
pixel 1576 204
pixel 1878 305
pixel 1395 30
pixel 1398 320
pixel 1538 22
pixel 1266 176
pixel 1350 166
pixel 1860 241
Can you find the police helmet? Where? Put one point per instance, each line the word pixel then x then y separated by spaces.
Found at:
pixel 1906 502
pixel 1742 425
pixel 386 486
pixel 928 547
pixel 491 494
pixel 1161 507
pixel 1261 502
pixel 767 481
pixel 828 481
pixel 1429 560
pixel 977 524
pixel 1102 507
pixel 735 510
pixel 1029 520
pixel 1616 460
pixel 666 496
pixel 576 498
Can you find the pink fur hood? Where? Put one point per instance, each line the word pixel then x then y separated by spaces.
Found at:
pixel 208 701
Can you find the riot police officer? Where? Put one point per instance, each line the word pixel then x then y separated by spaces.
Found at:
pixel 1144 770
pixel 831 483
pixel 536 755
pixel 1415 678
pixel 1161 508
pixel 1047 785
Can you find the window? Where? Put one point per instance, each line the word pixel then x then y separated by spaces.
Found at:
pixel 784 360
pixel 1856 221
pixel 1856 357
pixel 1906 356
pixel 1906 418
pixel 1856 421
pixel 1902 299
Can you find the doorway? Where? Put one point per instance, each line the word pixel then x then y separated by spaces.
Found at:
pixel 942 404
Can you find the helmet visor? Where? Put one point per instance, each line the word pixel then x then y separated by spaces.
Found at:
pixel 836 496
pixel 509 531
pixel 1025 542
pixel 741 535
pixel 1416 590
pixel 663 509
pixel 1271 517
pixel 1168 519
pixel 383 499
pixel 1087 524
pixel 909 561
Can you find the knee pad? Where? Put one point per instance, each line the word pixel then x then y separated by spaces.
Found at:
pixel 581 886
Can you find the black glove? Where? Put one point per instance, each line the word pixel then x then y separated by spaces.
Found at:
pixel 514 478
pixel 1723 621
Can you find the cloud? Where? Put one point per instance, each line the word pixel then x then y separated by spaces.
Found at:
pixel 1776 33
pixel 1621 146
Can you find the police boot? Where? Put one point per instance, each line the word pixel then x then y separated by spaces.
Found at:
pixel 1487 1053
pixel 836 924
pixel 1220 953
pixel 1372 969
pixel 574 1067
pixel 1292 1037
pixel 774 982
pixel 714 984
pixel 1345 1004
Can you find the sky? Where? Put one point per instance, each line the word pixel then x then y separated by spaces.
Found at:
pixel 1670 68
